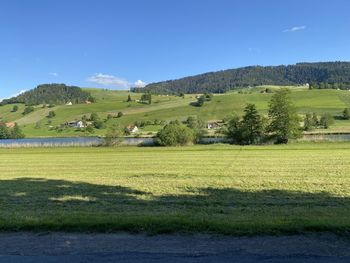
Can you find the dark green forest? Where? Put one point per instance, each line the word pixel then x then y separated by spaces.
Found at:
pixel 319 74
pixel 50 94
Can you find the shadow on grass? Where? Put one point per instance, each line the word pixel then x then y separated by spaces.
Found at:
pixel 42 204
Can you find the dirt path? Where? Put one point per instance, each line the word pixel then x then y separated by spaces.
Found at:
pixel 65 247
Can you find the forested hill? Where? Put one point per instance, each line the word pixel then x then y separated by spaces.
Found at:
pixel 221 81
pixel 50 94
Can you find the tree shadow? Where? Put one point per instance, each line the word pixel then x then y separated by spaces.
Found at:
pixel 39 204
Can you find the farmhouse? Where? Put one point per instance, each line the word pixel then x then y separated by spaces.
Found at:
pixel 132 129
pixel 213 125
pixel 74 124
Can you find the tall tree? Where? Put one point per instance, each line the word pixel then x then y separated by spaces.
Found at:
pixel 346 114
pixel 284 121
pixel 16 132
pixel 252 124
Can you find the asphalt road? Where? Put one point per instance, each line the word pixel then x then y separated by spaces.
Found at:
pixel 66 247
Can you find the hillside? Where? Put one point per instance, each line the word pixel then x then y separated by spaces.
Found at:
pixel 222 81
pixel 166 108
pixel 50 94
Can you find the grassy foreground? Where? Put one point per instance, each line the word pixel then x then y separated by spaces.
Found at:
pixel 220 188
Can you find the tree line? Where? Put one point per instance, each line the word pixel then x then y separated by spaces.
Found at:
pixel 225 80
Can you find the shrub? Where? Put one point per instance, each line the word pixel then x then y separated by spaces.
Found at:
pixel 52 114
pixel 99 124
pixel 120 114
pixel 346 114
pixel 326 120
pixel 15 108
pixel 28 110
pixel 174 135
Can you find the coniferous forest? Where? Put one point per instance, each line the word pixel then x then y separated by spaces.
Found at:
pixel 50 94
pixel 318 75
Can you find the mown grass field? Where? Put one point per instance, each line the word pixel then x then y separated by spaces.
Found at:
pixel 173 107
pixel 218 188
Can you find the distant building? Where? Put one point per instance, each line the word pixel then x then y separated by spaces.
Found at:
pixel 10 124
pixel 132 129
pixel 213 125
pixel 69 103
pixel 74 124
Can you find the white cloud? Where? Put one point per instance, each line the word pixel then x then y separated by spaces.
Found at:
pixel 139 84
pixel 295 28
pixel 110 80
pixel 54 74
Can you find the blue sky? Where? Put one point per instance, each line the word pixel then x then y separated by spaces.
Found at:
pixel 117 44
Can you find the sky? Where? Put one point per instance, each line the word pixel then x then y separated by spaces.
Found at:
pixel 117 44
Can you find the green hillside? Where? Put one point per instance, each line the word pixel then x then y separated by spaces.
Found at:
pixel 163 107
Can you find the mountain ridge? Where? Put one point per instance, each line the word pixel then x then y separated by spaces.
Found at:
pixel 230 79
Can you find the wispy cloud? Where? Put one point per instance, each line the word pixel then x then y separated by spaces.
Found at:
pixel 108 80
pixel 114 81
pixel 294 29
pixel 54 74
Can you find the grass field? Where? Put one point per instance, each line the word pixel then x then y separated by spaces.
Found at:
pixel 172 107
pixel 219 188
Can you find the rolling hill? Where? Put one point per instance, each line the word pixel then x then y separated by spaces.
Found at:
pixel 50 94
pixel 166 108
pixel 225 80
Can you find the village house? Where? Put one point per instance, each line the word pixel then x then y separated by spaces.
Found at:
pixel 74 124
pixel 213 125
pixel 132 129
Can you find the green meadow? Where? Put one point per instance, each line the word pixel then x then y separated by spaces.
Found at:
pixel 217 188
pixel 168 108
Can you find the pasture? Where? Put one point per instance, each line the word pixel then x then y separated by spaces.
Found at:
pixel 217 188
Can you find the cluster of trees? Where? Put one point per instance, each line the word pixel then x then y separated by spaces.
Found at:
pixel 222 81
pixel 146 98
pixel 311 121
pixel 96 121
pixel 10 133
pixel 51 94
pixel 203 98
pixel 281 125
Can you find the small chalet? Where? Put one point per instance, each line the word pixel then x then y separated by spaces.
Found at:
pixel 74 124
pixel 132 129
pixel 213 125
